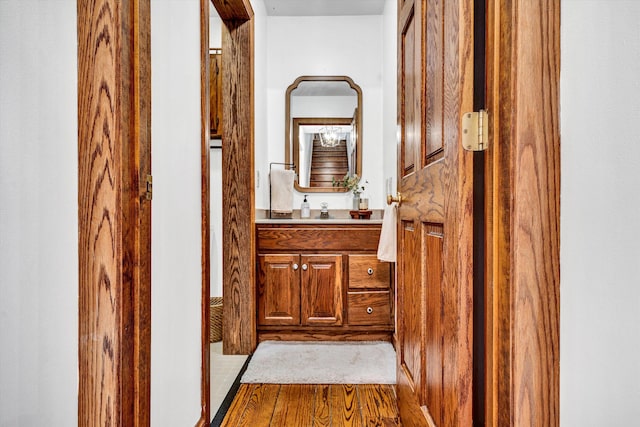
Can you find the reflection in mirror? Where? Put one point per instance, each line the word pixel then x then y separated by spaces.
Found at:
pixel 323 138
pixel 325 150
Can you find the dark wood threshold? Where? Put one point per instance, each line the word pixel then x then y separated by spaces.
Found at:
pixel 231 394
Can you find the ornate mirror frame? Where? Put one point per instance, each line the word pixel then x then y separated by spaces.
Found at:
pixel 290 141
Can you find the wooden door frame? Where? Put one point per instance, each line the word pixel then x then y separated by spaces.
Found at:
pixel 114 216
pixel 114 250
pixel 522 208
pixel 238 207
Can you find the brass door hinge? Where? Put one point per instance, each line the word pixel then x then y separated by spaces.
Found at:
pixel 475 131
pixel 149 193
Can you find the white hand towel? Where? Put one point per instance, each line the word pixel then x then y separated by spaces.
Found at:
pixel 387 243
pixel 282 190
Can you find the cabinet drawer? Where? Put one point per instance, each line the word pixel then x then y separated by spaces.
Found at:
pixel 366 272
pixel 369 308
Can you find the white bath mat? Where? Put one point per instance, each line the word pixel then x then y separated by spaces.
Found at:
pixel 296 362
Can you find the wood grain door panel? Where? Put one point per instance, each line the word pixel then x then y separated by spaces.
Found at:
pixel 432 238
pixel 435 218
pixel 410 82
pixel 411 299
pixel 321 289
pixel 434 81
pixel 278 290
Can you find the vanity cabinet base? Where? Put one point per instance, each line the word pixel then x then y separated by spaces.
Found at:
pixel 322 283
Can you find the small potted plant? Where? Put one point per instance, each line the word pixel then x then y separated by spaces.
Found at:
pixel 352 183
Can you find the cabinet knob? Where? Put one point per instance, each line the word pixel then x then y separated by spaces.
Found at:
pixel 295 267
pixel 370 271
pixel 304 267
pixel 369 310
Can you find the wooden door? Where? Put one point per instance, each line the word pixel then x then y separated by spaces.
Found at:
pixel 321 289
pixel 279 289
pixel 435 177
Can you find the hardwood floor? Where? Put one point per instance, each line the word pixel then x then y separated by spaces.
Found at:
pixel 305 405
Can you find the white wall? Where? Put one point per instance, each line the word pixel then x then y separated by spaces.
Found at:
pixel 338 45
pixel 176 272
pixel 261 107
pixel 390 90
pixel 215 28
pixel 600 207
pixel 38 213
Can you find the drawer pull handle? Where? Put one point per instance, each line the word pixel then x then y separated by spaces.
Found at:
pixel 304 267
pixel 369 310
pixel 370 271
pixel 295 267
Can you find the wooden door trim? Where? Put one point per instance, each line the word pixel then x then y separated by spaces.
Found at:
pixel 205 223
pixel 114 232
pixel 238 209
pixel 238 190
pixel 523 214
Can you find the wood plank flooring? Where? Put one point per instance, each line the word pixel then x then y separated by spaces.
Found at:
pixel 307 405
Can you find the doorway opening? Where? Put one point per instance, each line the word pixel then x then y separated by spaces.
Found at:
pixel 237 184
pixel 224 368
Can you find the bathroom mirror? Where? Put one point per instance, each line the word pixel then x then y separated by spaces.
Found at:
pixel 323 131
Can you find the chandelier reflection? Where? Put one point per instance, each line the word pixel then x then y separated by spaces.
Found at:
pixel 330 136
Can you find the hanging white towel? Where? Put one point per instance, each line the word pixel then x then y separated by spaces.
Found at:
pixel 387 243
pixel 282 190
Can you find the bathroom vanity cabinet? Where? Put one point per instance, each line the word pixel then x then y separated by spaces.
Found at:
pixel 300 289
pixel 322 282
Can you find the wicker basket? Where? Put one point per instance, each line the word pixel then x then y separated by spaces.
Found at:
pixel 215 319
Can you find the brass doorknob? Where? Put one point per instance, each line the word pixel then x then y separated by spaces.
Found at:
pixel 391 198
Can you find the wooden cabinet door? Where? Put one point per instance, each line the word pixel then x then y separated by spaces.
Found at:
pixel 435 229
pixel 278 289
pixel 321 289
pixel 215 95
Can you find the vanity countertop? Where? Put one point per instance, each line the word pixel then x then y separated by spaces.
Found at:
pixel 336 216
pixel 298 221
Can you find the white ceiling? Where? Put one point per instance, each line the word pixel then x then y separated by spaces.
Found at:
pixel 323 7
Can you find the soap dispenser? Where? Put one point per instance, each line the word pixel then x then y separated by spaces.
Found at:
pixel 305 212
